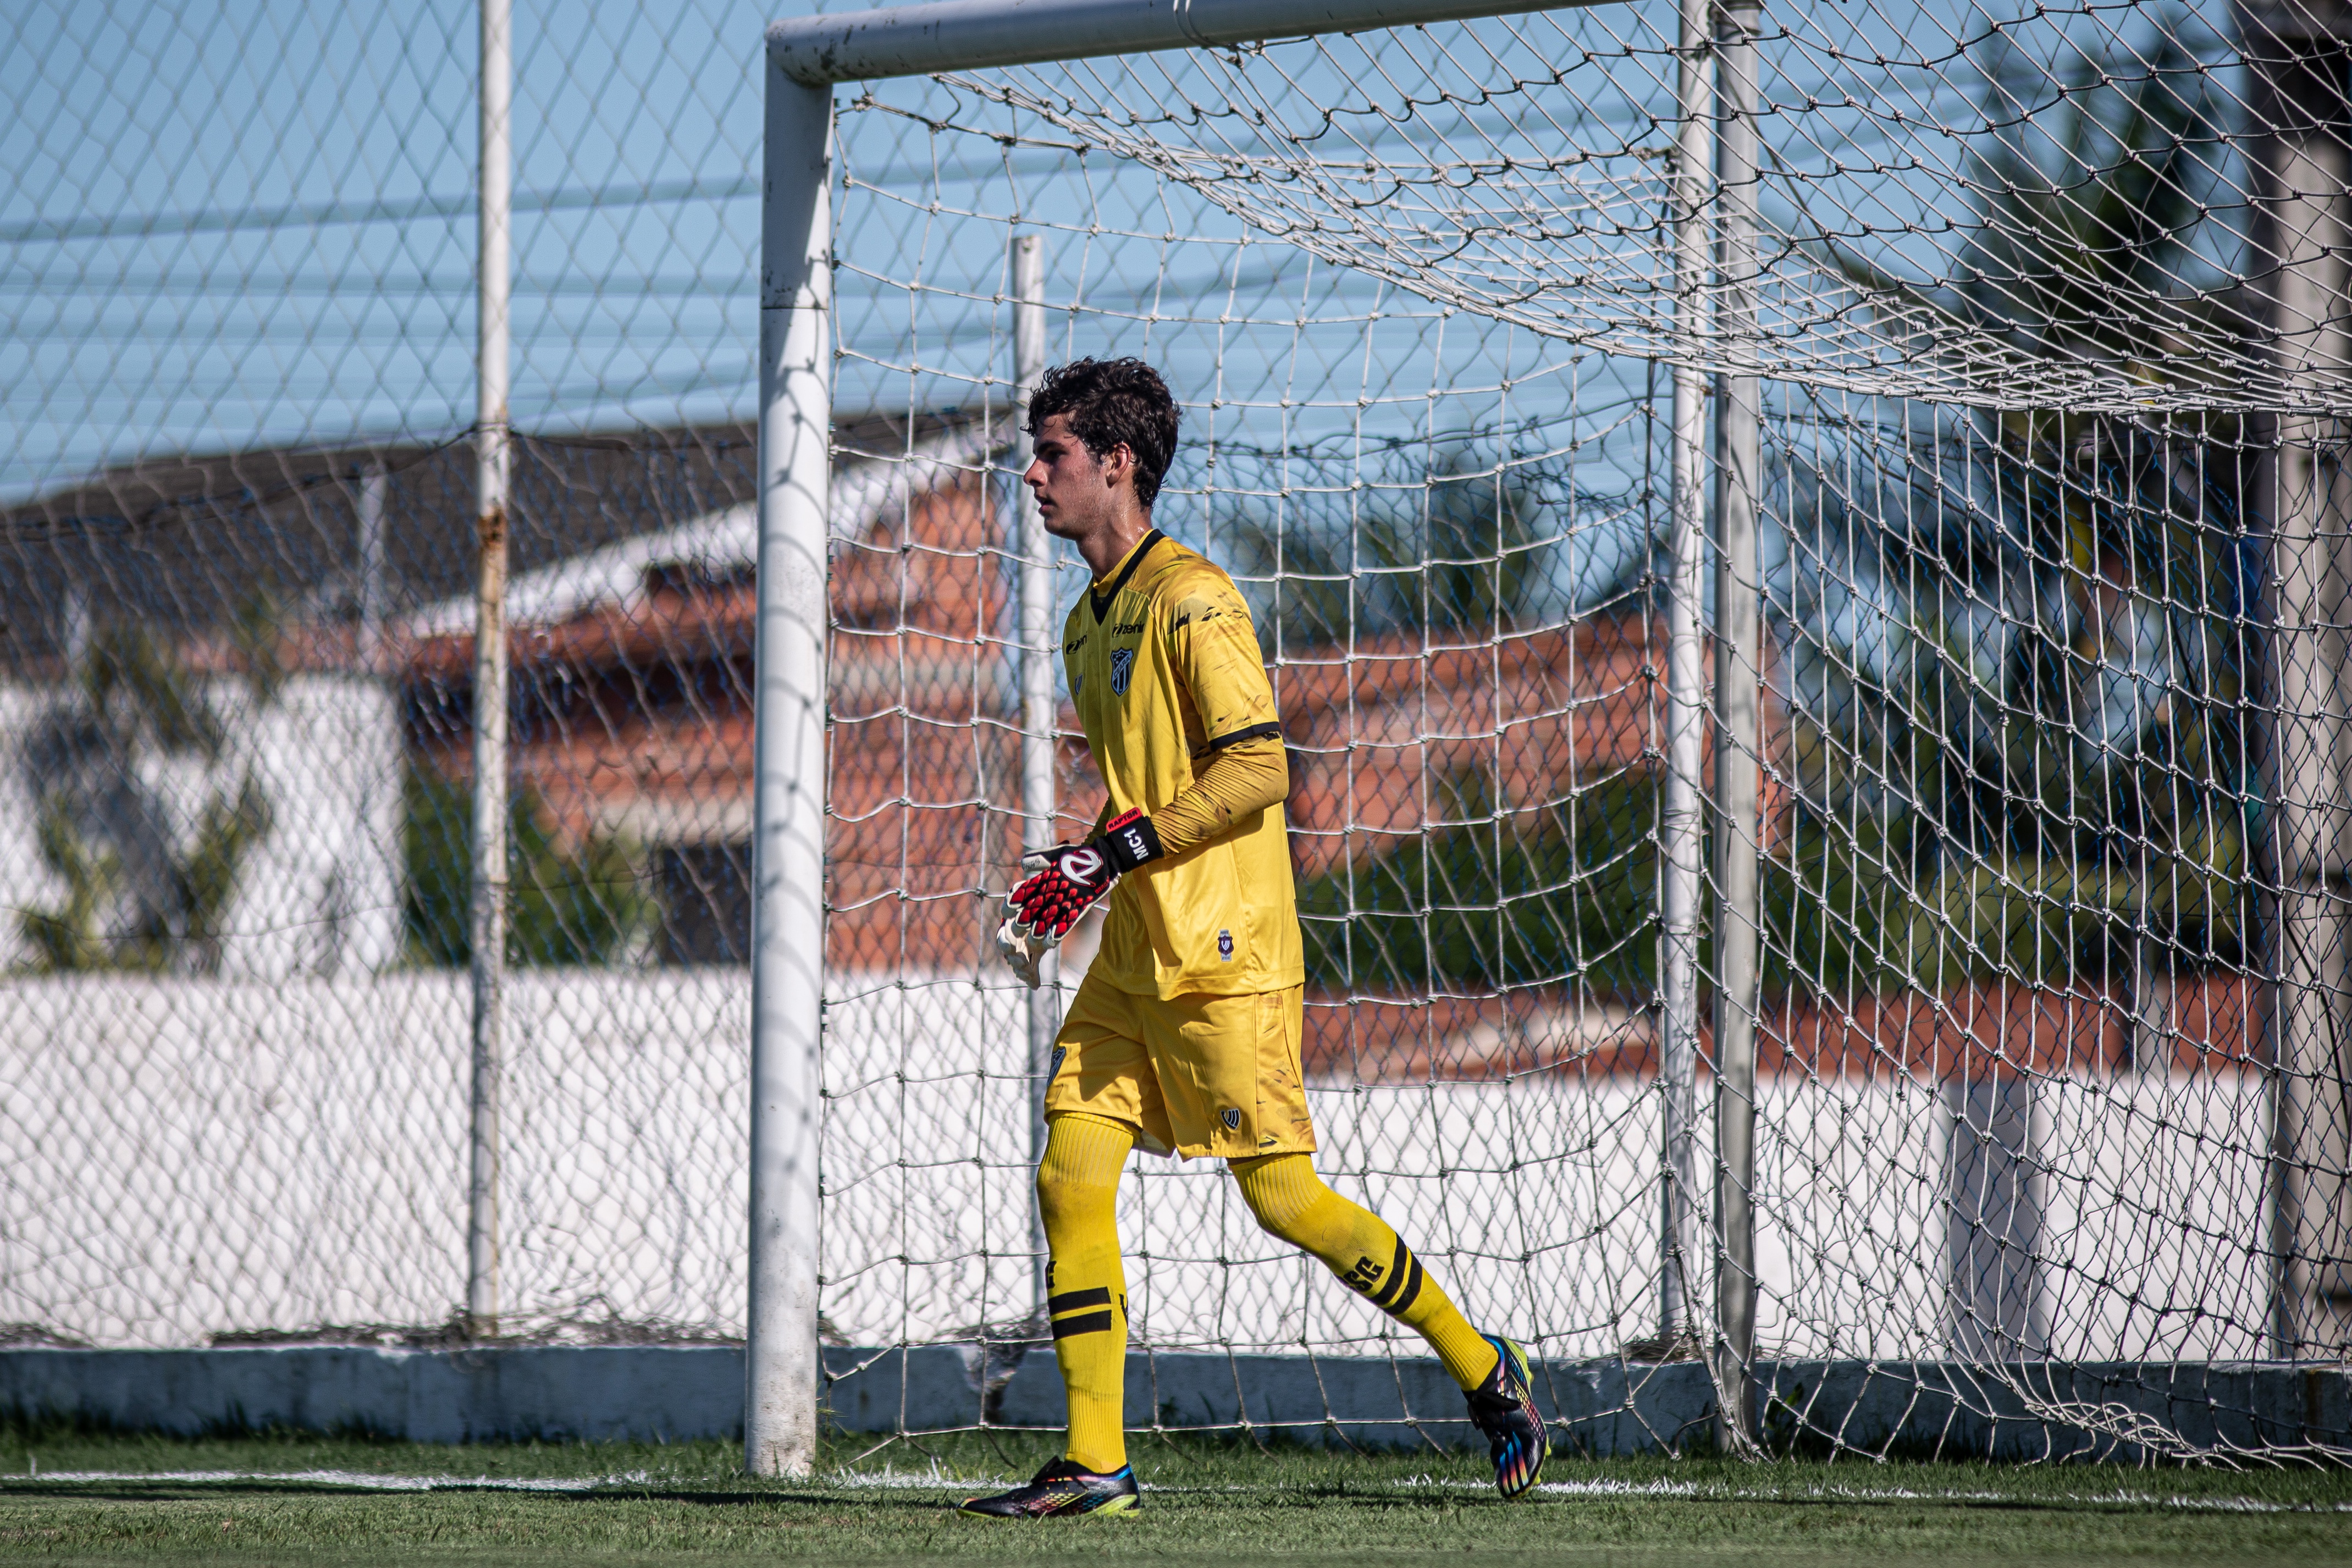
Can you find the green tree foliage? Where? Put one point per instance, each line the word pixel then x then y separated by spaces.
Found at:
pixel 1515 898
pixel 587 908
pixel 138 894
pixel 68 939
pixel 1452 543
pixel 1567 894
pixel 2019 652
pixel 2088 179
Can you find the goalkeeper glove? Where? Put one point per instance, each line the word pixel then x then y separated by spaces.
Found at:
pixel 1068 879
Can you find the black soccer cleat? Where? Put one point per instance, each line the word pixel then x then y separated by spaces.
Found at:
pixel 1060 1490
pixel 1503 1408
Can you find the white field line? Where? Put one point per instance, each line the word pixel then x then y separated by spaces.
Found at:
pixel 1695 1491
pixel 356 1480
pixel 933 1479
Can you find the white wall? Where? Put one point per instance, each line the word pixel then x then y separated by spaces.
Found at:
pixel 179 1156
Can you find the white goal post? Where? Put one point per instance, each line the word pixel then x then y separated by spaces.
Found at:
pixel 806 57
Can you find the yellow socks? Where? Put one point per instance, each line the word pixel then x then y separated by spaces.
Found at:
pixel 1077 1188
pixel 1291 1202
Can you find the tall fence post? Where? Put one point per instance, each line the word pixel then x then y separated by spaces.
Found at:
pixel 782 1368
pixel 2302 115
pixel 1738 739
pixel 1681 825
pixel 1038 706
pixel 367 632
pixel 487 924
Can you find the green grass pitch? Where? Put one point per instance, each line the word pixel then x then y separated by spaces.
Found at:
pixel 79 1498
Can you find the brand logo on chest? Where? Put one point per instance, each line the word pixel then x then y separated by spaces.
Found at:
pixel 1122 669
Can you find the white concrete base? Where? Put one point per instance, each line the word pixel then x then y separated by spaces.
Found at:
pixel 2034 1411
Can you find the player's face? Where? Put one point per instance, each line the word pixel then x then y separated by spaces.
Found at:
pixel 1078 492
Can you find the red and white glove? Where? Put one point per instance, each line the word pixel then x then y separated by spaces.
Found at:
pixel 1068 880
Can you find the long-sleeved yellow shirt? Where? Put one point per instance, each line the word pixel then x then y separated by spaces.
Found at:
pixel 1163 667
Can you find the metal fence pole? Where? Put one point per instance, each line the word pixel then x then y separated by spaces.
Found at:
pixel 1038 706
pixel 1739 752
pixel 488 925
pixel 2301 113
pixel 1681 826
pixel 367 633
pixel 782 1368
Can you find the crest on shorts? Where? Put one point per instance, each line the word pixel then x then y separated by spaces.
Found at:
pixel 1123 667
pixel 1231 1117
pixel 1225 946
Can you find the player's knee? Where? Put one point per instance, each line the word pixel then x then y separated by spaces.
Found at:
pixel 1279 1195
pixel 1071 1186
pixel 1061 1194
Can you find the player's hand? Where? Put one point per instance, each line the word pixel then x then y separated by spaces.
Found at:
pixel 1068 880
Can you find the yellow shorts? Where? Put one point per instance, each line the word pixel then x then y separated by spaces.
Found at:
pixel 1193 1075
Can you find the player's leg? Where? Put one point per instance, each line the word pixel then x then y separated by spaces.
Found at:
pixel 1291 1201
pixel 1077 1193
pixel 1101 1100
pixel 1269 1154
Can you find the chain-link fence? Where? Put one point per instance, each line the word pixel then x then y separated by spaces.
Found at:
pixel 2050 320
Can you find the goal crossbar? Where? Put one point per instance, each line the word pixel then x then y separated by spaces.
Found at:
pixel 971 34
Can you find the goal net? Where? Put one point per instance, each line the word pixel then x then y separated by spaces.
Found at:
pixel 2048 1096
pixel 2050 324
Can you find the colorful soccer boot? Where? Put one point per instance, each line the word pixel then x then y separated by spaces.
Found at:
pixel 1503 1408
pixel 1060 1490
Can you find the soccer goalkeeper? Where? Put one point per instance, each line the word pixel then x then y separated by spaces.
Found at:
pixel 1185 1035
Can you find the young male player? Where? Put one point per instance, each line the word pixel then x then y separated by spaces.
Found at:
pixel 1185 1035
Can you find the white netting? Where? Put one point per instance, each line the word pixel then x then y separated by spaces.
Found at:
pixel 2052 323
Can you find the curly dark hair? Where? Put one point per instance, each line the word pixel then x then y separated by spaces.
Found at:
pixel 1111 403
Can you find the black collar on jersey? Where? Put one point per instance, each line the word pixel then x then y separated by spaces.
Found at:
pixel 1102 600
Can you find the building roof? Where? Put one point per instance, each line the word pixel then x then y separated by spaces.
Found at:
pixel 721 547
pixel 187 545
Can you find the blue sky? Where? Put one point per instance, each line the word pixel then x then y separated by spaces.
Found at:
pixel 234 226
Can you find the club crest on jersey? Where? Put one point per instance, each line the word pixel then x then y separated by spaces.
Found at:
pixel 1122 669
pixel 1231 1117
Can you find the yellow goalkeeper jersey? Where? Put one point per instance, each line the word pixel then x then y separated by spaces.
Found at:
pixel 1163 667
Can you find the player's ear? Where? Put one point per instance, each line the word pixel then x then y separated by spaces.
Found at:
pixel 1118 463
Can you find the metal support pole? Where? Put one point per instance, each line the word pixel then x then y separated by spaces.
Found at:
pixel 367 633
pixel 1738 738
pixel 782 1368
pixel 489 912
pixel 1681 826
pixel 2302 111
pixel 1037 707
